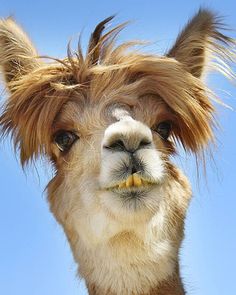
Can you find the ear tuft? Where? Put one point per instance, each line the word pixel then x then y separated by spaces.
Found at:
pixel 17 54
pixel 201 41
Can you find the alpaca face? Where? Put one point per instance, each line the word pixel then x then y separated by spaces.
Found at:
pixel 128 156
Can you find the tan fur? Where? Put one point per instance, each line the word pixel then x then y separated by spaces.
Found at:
pixel 120 249
pixel 171 287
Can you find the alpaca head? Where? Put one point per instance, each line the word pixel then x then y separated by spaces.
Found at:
pixel 110 120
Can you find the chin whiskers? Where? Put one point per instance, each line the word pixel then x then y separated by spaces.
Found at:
pixel 132 202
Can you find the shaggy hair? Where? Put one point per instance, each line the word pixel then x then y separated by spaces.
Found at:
pixel 37 98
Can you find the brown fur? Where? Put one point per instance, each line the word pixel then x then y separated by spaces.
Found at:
pixel 173 286
pixel 76 94
pixel 57 83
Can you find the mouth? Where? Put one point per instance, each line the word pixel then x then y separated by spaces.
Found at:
pixel 133 182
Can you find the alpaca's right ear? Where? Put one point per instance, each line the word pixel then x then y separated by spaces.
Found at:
pixel 17 54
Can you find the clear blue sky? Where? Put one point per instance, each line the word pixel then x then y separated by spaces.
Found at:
pixel 34 255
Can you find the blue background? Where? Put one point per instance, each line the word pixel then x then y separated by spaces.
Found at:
pixel 35 258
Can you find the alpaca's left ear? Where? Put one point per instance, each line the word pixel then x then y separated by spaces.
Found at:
pixel 200 41
pixel 17 54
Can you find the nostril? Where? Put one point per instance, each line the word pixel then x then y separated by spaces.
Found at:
pixel 144 143
pixel 117 145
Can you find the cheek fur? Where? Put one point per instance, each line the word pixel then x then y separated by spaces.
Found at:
pixel 154 162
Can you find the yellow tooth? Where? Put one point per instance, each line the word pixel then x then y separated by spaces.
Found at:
pixel 129 181
pixel 137 180
pixel 145 182
pixel 122 184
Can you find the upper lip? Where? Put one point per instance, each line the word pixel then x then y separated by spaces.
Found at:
pixel 133 181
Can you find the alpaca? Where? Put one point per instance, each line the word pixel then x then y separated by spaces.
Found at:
pixel 109 121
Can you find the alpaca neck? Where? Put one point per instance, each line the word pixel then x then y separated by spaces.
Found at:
pixel 138 260
pixel 117 257
pixel 172 286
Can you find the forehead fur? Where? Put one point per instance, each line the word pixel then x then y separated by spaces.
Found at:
pixel 105 74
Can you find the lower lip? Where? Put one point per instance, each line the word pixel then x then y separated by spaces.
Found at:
pixel 145 188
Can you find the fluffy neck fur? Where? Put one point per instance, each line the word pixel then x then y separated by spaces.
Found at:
pixel 137 257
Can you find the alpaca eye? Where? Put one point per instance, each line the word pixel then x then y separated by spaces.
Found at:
pixel 65 139
pixel 163 129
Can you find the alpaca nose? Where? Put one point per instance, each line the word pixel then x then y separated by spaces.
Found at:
pixel 123 145
pixel 128 136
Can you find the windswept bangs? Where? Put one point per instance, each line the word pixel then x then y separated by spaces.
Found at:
pixel 106 71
